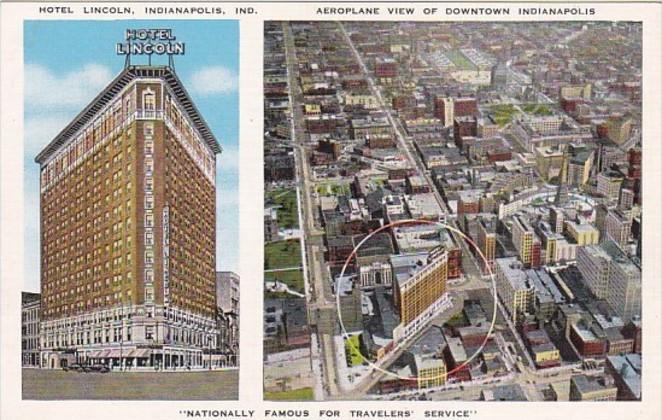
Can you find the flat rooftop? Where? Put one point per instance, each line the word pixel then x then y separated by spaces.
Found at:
pixel 513 272
pixel 587 384
pixel 546 290
pixel 504 393
pixel 456 348
pixel 405 266
pixel 629 369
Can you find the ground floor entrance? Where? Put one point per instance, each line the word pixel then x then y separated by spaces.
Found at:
pixel 127 358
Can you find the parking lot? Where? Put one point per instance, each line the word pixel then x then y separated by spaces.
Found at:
pixel 42 384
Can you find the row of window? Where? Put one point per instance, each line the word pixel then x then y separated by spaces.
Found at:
pixel 114 335
pixel 148 206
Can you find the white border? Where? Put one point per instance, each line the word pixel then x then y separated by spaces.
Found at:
pixel 251 249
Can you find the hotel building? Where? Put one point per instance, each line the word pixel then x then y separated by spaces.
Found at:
pixel 128 223
pixel 420 288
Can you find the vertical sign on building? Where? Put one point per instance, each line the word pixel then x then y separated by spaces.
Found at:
pixel 166 256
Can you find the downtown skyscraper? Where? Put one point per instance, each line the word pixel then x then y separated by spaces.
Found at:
pixel 128 221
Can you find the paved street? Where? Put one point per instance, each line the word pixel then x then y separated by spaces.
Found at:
pixel 318 294
pixel 59 385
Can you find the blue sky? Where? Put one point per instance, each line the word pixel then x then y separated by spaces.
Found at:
pixel 67 63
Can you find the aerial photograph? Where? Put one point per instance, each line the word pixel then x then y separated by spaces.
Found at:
pixel 452 211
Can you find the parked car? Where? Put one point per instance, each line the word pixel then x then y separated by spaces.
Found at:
pixel 74 367
pixel 99 368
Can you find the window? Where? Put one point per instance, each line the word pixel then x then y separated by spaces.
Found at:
pixel 149 100
pixel 117 114
pixel 149 294
pixel 127 106
pixel 149 332
pixel 149 238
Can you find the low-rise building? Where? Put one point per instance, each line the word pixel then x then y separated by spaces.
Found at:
pixel 431 371
pixel 512 392
pixel 583 234
pixel 416 238
pixel 377 273
pixel 626 371
pixel 546 355
pixel 227 302
pixel 549 162
pixel 30 319
pixel 632 330
pixel 588 339
pixel 588 388
pixel 369 126
pixel 547 295
pixel 270 224
pixel 423 206
pixel 456 356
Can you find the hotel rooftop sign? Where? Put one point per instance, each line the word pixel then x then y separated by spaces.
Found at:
pixel 148 42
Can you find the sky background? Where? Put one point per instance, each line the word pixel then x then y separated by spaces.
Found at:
pixel 67 63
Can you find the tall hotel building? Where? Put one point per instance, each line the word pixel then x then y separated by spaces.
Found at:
pixel 419 289
pixel 128 224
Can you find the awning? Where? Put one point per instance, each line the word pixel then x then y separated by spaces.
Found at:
pixel 140 353
pixel 115 354
pixel 93 354
pixel 103 354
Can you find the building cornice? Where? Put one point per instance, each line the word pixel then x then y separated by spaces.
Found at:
pixel 126 77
